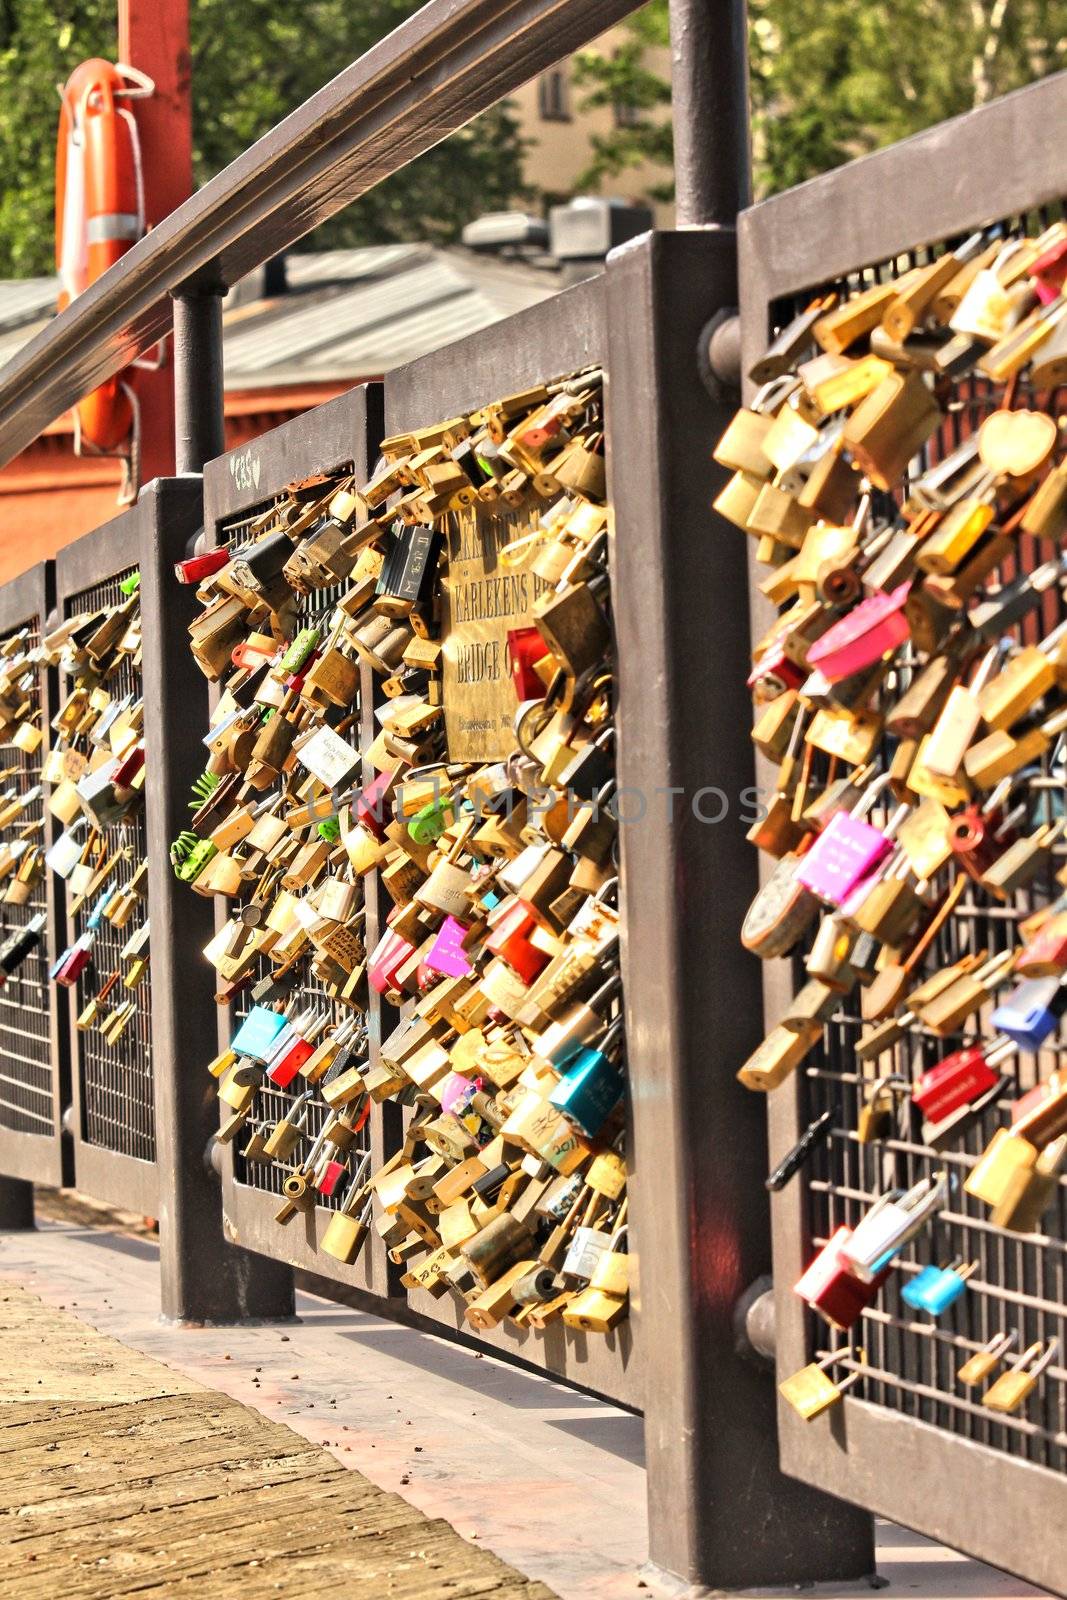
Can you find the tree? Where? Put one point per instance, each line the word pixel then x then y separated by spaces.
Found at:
pixel 253 61
pixel 832 79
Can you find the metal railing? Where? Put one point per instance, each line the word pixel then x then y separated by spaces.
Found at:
pixel 721 1511
pixel 430 76
pixel 909 1442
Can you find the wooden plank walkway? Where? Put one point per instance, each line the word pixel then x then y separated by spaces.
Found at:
pixel 119 1476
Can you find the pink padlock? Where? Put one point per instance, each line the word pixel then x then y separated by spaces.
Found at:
pixel 848 849
pixel 446 955
pixel 873 628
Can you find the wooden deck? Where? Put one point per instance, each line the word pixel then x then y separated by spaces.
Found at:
pixel 120 1476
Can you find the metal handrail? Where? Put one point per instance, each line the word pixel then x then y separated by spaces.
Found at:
pixel 430 76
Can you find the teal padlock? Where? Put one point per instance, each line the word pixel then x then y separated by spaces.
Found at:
pixel 592 1084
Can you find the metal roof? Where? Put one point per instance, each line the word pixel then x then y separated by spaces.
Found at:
pixel 346 314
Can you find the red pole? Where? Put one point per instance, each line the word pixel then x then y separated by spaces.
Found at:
pixel 154 36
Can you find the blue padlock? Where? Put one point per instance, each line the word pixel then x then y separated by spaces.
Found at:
pixel 96 916
pixel 934 1289
pixel 257 1033
pixel 1031 1012
pixel 591 1086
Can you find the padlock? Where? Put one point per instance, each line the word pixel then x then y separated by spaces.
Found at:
pixel 1016 1385
pixel 1029 1192
pixel 811 1391
pixel 346 1232
pixel 959 1079
pixel 829 1288
pixel 602 1305
pixel 591 1084
pixel 976 1368
pixel 1007 1158
pixel 891 1222
pixel 848 850
pixel 935 1289
pixel 988 310
pixel 878 1112
pixel 1031 1012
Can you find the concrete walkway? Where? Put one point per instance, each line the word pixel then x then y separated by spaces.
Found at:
pixel 549 1480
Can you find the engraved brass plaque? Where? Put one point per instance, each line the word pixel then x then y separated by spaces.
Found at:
pixel 482 601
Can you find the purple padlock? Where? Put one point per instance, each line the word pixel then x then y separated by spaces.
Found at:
pixel 848 850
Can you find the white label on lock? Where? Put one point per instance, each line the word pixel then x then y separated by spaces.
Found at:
pixel 586 1249
pixel 64 855
pixel 328 758
pixel 878 1234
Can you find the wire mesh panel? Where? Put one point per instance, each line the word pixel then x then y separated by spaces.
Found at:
pixel 271 1104
pixel 98 728
pixel 1016 1284
pixel 115 1075
pixel 326 447
pixel 33 1083
pixel 912 1439
pixel 26 1090
pixel 512 358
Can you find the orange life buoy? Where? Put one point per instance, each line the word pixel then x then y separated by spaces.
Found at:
pixel 99 211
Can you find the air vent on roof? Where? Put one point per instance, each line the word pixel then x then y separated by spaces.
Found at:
pixel 501 230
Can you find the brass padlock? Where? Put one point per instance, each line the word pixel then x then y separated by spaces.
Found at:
pixel 1016 1385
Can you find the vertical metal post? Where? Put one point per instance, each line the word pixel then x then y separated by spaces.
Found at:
pixel 16 1204
pixel 720 1511
pixel 709 95
pixel 154 36
pixel 199 395
pixel 203 1278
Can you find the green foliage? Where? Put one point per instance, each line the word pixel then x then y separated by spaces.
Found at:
pixel 623 79
pixel 253 62
pixel 831 79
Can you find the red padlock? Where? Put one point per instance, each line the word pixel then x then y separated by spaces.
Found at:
pixel 370 806
pixel 329 1177
pixel 284 1068
pixel 73 965
pixel 1049 271
pixel 975 840
pixel 955 1082
pixel 510 940
pixel 197 568
pixel 834 1292
pixel 524 647
pixel 774 674
pixel 386 959
pixel 294 683
pixel 1046 954
pixel 128 768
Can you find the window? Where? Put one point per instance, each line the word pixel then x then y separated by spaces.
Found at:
pixel 626 116
pixel 553 100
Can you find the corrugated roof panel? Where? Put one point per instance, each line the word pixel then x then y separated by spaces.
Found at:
pixel 23 298
pixel 311 328
pixel 353 313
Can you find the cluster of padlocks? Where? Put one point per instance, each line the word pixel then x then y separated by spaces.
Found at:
pixel 95 775
pixel 22 860
pixel 416 690
pixel 911 694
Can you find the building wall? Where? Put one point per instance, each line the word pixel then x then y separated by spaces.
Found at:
pixel 561 147
pixel 49 497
